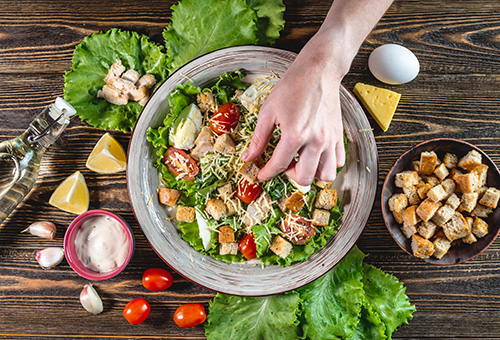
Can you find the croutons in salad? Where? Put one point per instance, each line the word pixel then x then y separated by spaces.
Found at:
pixel 221 208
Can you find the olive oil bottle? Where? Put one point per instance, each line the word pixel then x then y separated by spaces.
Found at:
pixel 20 157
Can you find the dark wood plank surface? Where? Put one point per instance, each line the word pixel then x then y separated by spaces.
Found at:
pixel 457 94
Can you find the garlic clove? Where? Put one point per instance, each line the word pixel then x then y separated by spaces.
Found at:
pixel 43 229
pixel 90 300
pixel 49 257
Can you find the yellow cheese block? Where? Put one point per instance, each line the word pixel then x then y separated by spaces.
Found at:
pixel 381 103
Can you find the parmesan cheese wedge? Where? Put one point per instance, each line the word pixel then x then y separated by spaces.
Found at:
pixel 381 103
pixel 205 233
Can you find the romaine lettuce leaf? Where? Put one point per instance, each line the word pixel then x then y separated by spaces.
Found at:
pixel 202 26
pixel 253 318
pixel 91 61
pixel 331 305
pixel 269 19
pixel 369 327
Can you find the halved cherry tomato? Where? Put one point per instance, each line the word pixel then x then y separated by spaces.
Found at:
pixel 190 315
pixel 225 118
pixel 157 279
pixel 179 163
pixel 248 192
pixel 247 247
pixel 136 311
pixel 297 229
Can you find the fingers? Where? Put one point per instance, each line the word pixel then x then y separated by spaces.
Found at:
pixel 282 156
pixel 304 171
pixel 260 138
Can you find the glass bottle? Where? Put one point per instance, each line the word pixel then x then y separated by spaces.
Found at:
pixel 20 157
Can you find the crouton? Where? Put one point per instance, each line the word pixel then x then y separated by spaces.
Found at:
pixel 201 149
pixel 296 201
pixel 411 193
pixel 406 179
pixel 470 160
pixel 169 196
pixel 205 135
pixel 322 184
pixel 225 191
pixel 432 180
pixel 421 247
pixel 441 172
pixel 258 210
pixel 481 211
pixel 427 229
pixel 185 214
pixel 454 173
pixel 449 186
pixel 490 198
pixel 469 239
pixel 437 193
pixel 408 231
pixel 428 161
pixel 443 215
pixel 456 228
pixel 206 101
pixel 326 199
pixel 441 247
pixel 410 217
pixel 228 248
pixel 450 160
pixel 398 216
pixel 233 205
pixel 226 234
pixel 281 203
pixel 453 201
pixel 468 201
pixel 216 208
pixel 422 189
pixel 321 217
pixel 250 170
pixel 415 166
pixel 481 191
pixel 427 209
pixel 398 202
pixel 468 182
pixel 281 247
pixel 482 173
pixel 479 227
pixel 224 144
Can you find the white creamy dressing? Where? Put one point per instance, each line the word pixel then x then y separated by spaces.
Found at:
pixel 102 244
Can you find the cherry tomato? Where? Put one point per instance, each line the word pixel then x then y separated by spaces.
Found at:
pixel 179 163
pixel 190 315
pixel 136 311
pixel 248 192
pixel 247 247
pixel 297 229
pixel 157 279
pixel 225 118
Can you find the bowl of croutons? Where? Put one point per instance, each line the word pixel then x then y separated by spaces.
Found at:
pixel 440 201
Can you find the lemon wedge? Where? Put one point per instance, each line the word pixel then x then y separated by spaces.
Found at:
pixel 72 195
pixel 107 157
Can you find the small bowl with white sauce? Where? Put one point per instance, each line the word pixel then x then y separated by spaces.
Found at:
pixel 98 244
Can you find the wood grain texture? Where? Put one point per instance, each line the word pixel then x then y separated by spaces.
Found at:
pixel 457 94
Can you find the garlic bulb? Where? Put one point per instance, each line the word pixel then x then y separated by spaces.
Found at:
pixel 49 257
pixel 90 300
pixel 42 229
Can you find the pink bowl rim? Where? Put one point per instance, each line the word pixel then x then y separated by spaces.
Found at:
pixel 69 247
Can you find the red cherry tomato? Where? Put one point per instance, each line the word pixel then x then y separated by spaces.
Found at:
pixel 297 229
pixel 248 192
pixel 225 118
pixel 190 315
pixel 247 247
pixel 136 311
pixel 157 279
pixel 179 163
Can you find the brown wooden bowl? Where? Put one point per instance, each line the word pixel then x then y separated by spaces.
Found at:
pixel 457 253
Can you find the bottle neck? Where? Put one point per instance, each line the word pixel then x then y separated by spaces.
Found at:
pixel 45 129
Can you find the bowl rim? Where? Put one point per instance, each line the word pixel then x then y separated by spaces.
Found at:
pixel 386 184
pixel 69 246
pixel 326 265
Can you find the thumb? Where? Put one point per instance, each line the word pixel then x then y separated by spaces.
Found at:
pixel 260 138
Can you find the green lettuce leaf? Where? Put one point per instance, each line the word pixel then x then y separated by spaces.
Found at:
pixel 253 318
pixel 386 296
pixel 269 19
pixel 331 305
pixel 369 327
pixel 202 26
pixel 91 61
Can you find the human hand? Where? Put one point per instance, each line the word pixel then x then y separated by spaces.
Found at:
pixel 305 104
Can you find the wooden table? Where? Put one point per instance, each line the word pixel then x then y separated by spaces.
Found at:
pixel 455 95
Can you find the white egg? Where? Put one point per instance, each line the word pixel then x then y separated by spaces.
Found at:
pixel 393 64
